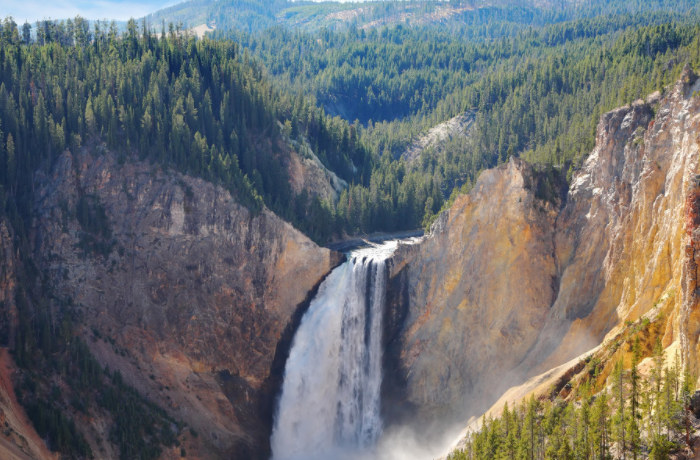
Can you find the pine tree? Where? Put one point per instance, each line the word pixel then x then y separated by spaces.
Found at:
pixel 90 122
pixel 655 389
pixel 600 427
pixel 687 389
pixel 509 445
pixel 530 429
pixel 620 418
pixel 582 443
pixel 11 163
pixel 634 433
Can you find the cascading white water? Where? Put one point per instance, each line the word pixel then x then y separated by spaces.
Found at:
pixel 330 396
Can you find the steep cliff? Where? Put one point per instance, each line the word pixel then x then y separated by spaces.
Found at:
pixel 479 285
pixel 184 291
pixel 508 286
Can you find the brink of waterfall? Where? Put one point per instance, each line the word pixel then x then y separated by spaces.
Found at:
pixel 330 399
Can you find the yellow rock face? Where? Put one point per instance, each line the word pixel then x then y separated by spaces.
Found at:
pixel 472 289
pixel 526 286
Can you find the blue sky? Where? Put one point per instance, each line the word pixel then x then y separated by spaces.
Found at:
pixel 32 10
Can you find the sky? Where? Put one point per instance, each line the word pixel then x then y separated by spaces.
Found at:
pixel 120 10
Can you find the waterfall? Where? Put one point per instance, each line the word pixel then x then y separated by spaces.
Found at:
pixel 330 396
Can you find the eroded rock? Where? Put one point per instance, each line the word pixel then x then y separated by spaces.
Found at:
pixel 182 289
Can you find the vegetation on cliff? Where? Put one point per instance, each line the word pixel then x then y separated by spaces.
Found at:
pixel 59 376
pixel 610 409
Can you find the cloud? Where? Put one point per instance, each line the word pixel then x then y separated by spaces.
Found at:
pixel 120 10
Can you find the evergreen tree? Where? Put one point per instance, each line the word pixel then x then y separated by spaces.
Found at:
pixel 634 433
pixel 620 418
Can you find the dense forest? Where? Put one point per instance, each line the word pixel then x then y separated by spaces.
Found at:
pixel 469 18
pixel 201 107
pixel 613 410
pixel 538 94
pixel 221 109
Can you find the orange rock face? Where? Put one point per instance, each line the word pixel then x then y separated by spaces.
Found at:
pixel 479 290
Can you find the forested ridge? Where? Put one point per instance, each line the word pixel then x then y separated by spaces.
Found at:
pixel 537 93
pixel 391 73
pixel 482 18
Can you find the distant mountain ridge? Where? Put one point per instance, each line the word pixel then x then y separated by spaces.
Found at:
pixel 254 15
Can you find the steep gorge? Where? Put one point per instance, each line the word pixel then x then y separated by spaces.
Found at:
pixel 195 300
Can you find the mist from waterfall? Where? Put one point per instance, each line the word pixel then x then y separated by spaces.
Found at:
pixel 330 400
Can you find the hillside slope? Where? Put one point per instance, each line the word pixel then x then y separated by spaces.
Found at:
pixel 18 439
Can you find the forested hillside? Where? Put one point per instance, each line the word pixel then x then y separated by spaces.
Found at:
pixel 202 107
pixel 636 414
pixel 494 18
pixel 536 93
pixel 210 108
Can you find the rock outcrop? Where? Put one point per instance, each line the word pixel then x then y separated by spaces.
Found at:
pixel 188 294
pixel 508 286
pixel 436 137
pixel 307 173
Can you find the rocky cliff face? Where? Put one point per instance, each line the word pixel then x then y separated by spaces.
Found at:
pixel 472 290
pixel 184 291
pixel 309 174
pixel 508 286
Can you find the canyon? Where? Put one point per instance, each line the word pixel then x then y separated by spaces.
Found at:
pixel 196 300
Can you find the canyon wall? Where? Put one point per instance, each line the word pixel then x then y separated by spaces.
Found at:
pixel 189 295
pixel 508 285
pixel 479 285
